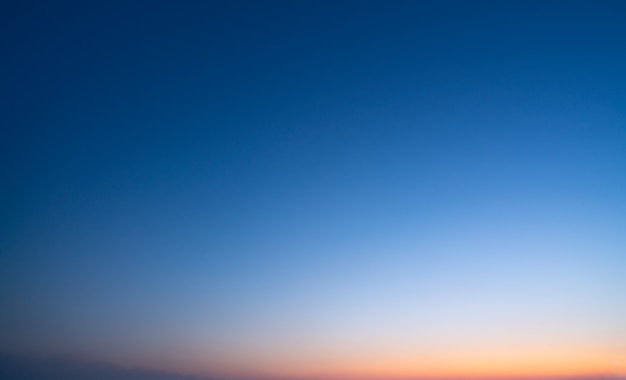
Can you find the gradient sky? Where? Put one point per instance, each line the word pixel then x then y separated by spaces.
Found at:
pixel 316 189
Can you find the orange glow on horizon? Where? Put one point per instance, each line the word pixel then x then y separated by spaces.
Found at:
pixel 395 362
pixel 484 364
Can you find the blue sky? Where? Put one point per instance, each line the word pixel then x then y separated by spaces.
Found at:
pixel 316 188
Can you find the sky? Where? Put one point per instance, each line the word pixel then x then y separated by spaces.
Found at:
pixel 316 189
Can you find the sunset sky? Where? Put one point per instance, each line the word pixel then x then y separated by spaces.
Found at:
pixel 316 189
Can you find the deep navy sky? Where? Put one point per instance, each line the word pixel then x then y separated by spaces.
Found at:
pixel 238 182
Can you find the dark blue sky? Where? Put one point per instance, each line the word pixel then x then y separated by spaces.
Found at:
pixel 246 184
